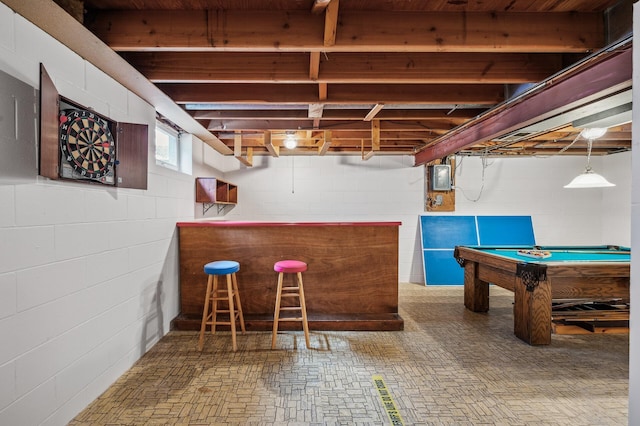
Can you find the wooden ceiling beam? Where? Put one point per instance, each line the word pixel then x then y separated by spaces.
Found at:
pixel 478 94
pixel 453 118
pixel 326 142
pixel 314 65
pixel 593 81
pixel 268 143
pixel 233 114
pixel 375 135
pixel 259 126
pixel 373 112
pixel 323 91
pixel 331 23
pixel 319 6
pixel 137 30
pixel 247 160
pixel 351 146
pixel 346 151
pixel 340 135
pixel 354 146
pixel 288 67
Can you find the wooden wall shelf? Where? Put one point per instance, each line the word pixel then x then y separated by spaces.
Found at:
pixel 210 190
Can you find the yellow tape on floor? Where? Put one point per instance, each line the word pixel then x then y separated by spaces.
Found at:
pixel 387 401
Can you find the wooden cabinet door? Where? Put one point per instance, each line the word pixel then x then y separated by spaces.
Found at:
pixel 132 141
pixel 49 159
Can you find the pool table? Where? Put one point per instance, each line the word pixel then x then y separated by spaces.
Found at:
pixel 571 272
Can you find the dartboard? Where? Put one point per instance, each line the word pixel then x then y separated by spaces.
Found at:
pixel 86 143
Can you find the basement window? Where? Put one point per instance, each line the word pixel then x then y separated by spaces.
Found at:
pixel 173 148
pixel 167 146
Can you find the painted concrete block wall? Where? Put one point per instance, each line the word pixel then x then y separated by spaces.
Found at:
pixel 534 186
pixel 616 201
pixel 389 188
pixel 88 273
pixel 333 189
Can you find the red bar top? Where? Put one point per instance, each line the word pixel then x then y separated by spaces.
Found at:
pixel 227 223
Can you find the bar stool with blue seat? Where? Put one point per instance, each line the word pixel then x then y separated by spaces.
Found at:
pixel 295 292
pixel 218 296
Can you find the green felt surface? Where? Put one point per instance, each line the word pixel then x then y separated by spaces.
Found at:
pixel 564 253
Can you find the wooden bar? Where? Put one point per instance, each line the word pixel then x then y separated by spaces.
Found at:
pixel 351 282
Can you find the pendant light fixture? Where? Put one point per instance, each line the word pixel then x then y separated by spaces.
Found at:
pixel 589 178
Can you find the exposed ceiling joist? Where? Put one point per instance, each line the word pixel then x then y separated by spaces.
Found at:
pixel 475 94
pixel 319 6
pixel 606 77
pixel 268 143
pixel 311 66
pixel 360 31
pixel 326 143
pixel 331 23
pixel 247 159
pixel 373 112
pixel 340 67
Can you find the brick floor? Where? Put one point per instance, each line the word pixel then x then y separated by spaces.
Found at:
pixel 448 367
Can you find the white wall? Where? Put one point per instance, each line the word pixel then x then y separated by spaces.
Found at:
pixel 390 188
pixel 534 186
pixel 88 273
pixel 333 189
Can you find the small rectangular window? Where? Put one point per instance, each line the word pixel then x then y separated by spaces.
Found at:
pixel 167 147
pixel 173 147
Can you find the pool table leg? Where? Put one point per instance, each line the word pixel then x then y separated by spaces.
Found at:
pixel 532 313
pixel 476 291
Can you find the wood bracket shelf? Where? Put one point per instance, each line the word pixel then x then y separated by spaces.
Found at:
pixel 219 207
pixel 212 191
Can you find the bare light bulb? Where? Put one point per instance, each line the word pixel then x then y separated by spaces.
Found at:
pixel 290 141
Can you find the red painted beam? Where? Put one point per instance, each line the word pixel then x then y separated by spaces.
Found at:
pixel 554 97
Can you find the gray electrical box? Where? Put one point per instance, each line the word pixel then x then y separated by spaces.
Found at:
pixel 441 177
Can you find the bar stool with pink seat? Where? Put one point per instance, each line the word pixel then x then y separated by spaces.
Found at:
pixel 295 292
pixel 219 297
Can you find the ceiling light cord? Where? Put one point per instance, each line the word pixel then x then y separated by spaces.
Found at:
pixel 293 174
pixel 566 147
pixel 589 145
pixel 485 164
pixel 561 151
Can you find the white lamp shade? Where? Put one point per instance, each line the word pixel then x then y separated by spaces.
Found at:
pixel 589 179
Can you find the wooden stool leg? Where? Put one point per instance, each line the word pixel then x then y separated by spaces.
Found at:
pixel 232 315
pixel 303 305
pixel 238 304
pixel 214 302
pixel 276 313
pixel 205 313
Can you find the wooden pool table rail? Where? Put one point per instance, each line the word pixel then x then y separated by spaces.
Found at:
pixel 532 307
